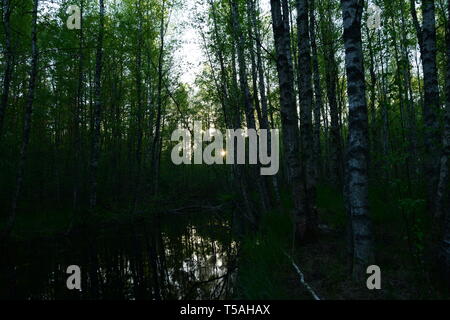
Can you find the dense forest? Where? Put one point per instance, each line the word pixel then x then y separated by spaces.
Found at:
pixel 92 90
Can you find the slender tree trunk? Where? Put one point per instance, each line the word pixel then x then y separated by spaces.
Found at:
pixel 373 86
pixel 306 105
pixel 261 84
pixel 358 183
pixel 411 110
pixel 139 111
pixel 9 58
pixel 27 119
pixel 318 105
pixel 76 117
pixel 334 141
pixel 251 49
pixel 245 92
pixel 427 43
pixel 442 197
pixel 264 122
pixel 96 115
pixel 271 125
pixel 401 97
pixel 224 96
pixel 79 106
pixel 385 136
pixel 443 190
pixel 249 108
pixel 289 116
pixel 238 170
pixel 335 128
pixel 155 147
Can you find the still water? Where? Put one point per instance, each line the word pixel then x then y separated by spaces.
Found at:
pixel 172 257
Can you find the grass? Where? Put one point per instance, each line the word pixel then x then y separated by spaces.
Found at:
pixel 264 270
pixel 399 226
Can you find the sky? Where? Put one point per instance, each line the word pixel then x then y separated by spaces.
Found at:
pixel 190 54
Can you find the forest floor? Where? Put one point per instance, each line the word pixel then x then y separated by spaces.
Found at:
pixel 325 267
pixel 324 261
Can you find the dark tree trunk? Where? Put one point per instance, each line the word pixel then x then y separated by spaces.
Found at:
pixel 27 119
pixel 245 92
pixel 77 115
pixel 79 106
pixel 9 60
pixel 306 104
pixel 411 110
pixel 96 115
pixel 259 61
pixel 318 105
pixel 335 128
pixel 289 116
pixel 223 88
pixel 373 93
pixel 156 139
pixel 139 111
pixel 334 141
pixel 442 198
pixel 427 43
pixel 443 190
pixel 251 49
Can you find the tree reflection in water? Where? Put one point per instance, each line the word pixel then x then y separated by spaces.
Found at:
pixel 183 257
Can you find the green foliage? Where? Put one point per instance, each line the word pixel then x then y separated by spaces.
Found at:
pixel 331 207
pixel 263 267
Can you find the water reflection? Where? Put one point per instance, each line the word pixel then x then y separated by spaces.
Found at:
pixel 188 257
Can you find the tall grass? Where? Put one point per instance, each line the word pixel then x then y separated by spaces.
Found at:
pixel 263 267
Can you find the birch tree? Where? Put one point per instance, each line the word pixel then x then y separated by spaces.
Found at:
pixel 358 144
